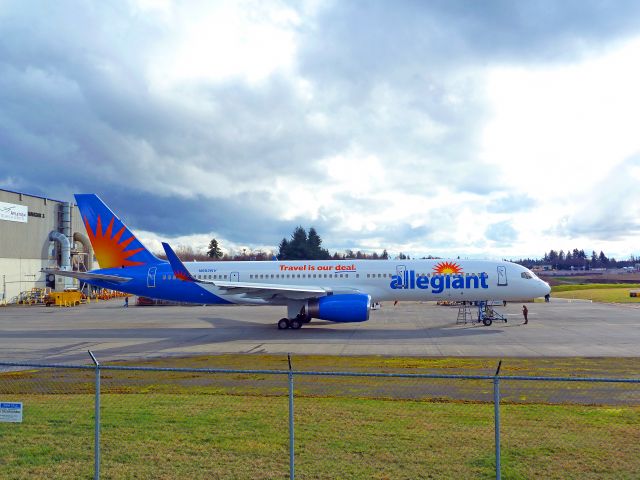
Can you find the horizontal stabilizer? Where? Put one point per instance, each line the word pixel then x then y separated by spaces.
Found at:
pixel 87 276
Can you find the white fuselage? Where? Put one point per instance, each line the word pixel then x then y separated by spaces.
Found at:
pixel 420 280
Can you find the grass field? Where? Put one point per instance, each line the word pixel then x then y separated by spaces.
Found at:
pixel 597 292
pixel 163 425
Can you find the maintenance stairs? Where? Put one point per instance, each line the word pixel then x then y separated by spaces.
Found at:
pixel 479 313
pixel 466 315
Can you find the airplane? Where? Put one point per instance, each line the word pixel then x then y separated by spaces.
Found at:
pixel 333 290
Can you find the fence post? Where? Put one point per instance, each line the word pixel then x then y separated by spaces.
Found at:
pixel 496 410
pixel 96 440
pixel 292 471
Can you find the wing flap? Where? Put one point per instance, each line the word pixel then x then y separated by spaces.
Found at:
pixel 272 290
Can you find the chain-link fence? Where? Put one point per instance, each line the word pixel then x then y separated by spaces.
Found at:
pixel 121 422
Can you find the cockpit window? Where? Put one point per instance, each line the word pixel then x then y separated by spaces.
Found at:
pixel 526 275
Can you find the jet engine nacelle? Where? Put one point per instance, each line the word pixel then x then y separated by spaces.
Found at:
pixel 351 307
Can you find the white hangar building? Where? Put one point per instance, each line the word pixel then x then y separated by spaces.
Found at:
pixel 36 233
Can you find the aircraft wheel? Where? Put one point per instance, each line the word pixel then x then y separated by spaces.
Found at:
pixel 296 324
pixel 487 322
pixel 283 324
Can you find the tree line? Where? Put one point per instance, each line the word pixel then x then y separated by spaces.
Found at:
pixel 302 245
pixel 577 260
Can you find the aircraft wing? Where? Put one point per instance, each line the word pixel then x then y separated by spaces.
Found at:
pixel 267 291
pixel 88 276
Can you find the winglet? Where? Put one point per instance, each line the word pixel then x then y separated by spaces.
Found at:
pixel 179 270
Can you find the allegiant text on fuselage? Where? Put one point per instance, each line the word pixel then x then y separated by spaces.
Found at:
pixel 438 283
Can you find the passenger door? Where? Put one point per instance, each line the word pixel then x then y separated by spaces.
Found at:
pixel 502 276
pixel 401 271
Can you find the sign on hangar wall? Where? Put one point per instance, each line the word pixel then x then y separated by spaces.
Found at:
pixel 13 213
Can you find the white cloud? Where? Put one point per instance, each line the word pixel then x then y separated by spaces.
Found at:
pixel 556 131
pixel 223 41
pixel 378 125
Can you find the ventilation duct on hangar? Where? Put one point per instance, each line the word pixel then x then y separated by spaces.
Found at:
pixel 87 252
pixel 65 254
pixel 65 219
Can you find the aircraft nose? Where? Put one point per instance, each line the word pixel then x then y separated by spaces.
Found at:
pixel 546 288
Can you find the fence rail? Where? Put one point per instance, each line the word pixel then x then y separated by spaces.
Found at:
pixel 153 388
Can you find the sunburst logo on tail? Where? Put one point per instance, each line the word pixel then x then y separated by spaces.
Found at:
pixel 108 248
pixel 447 267
pixel 182 275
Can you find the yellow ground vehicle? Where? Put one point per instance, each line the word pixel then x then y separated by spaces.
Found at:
pixel 68 298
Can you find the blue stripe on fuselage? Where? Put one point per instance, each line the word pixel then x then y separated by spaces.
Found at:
pixel 164 289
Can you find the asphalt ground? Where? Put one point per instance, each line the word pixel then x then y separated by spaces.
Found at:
pixel 112 332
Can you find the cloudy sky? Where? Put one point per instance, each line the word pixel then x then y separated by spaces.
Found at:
pixel 479 129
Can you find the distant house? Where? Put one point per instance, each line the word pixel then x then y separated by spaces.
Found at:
pixel 542 268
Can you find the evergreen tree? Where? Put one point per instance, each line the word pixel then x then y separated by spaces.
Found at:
pixel 214 249
pixel 604 261
pixel 283 249
pixel 314 242
pixel 297 246
pixel 303 246
pixel 385 255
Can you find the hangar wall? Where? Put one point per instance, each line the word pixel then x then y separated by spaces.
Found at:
pixel 26 222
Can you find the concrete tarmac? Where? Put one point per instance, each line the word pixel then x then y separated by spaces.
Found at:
pixel 556 329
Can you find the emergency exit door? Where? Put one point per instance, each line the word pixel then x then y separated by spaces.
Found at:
pixel 151 277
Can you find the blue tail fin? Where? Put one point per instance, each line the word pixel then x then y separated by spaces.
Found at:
pixel 113 243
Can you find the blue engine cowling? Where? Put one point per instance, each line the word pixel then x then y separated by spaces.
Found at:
pixel 352 307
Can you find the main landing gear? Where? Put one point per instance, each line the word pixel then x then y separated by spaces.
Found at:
pixel 294 323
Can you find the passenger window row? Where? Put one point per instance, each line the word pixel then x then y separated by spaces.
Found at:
pixel 390 275
pixel 320 275
pixel 199 277
pixel 262 276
